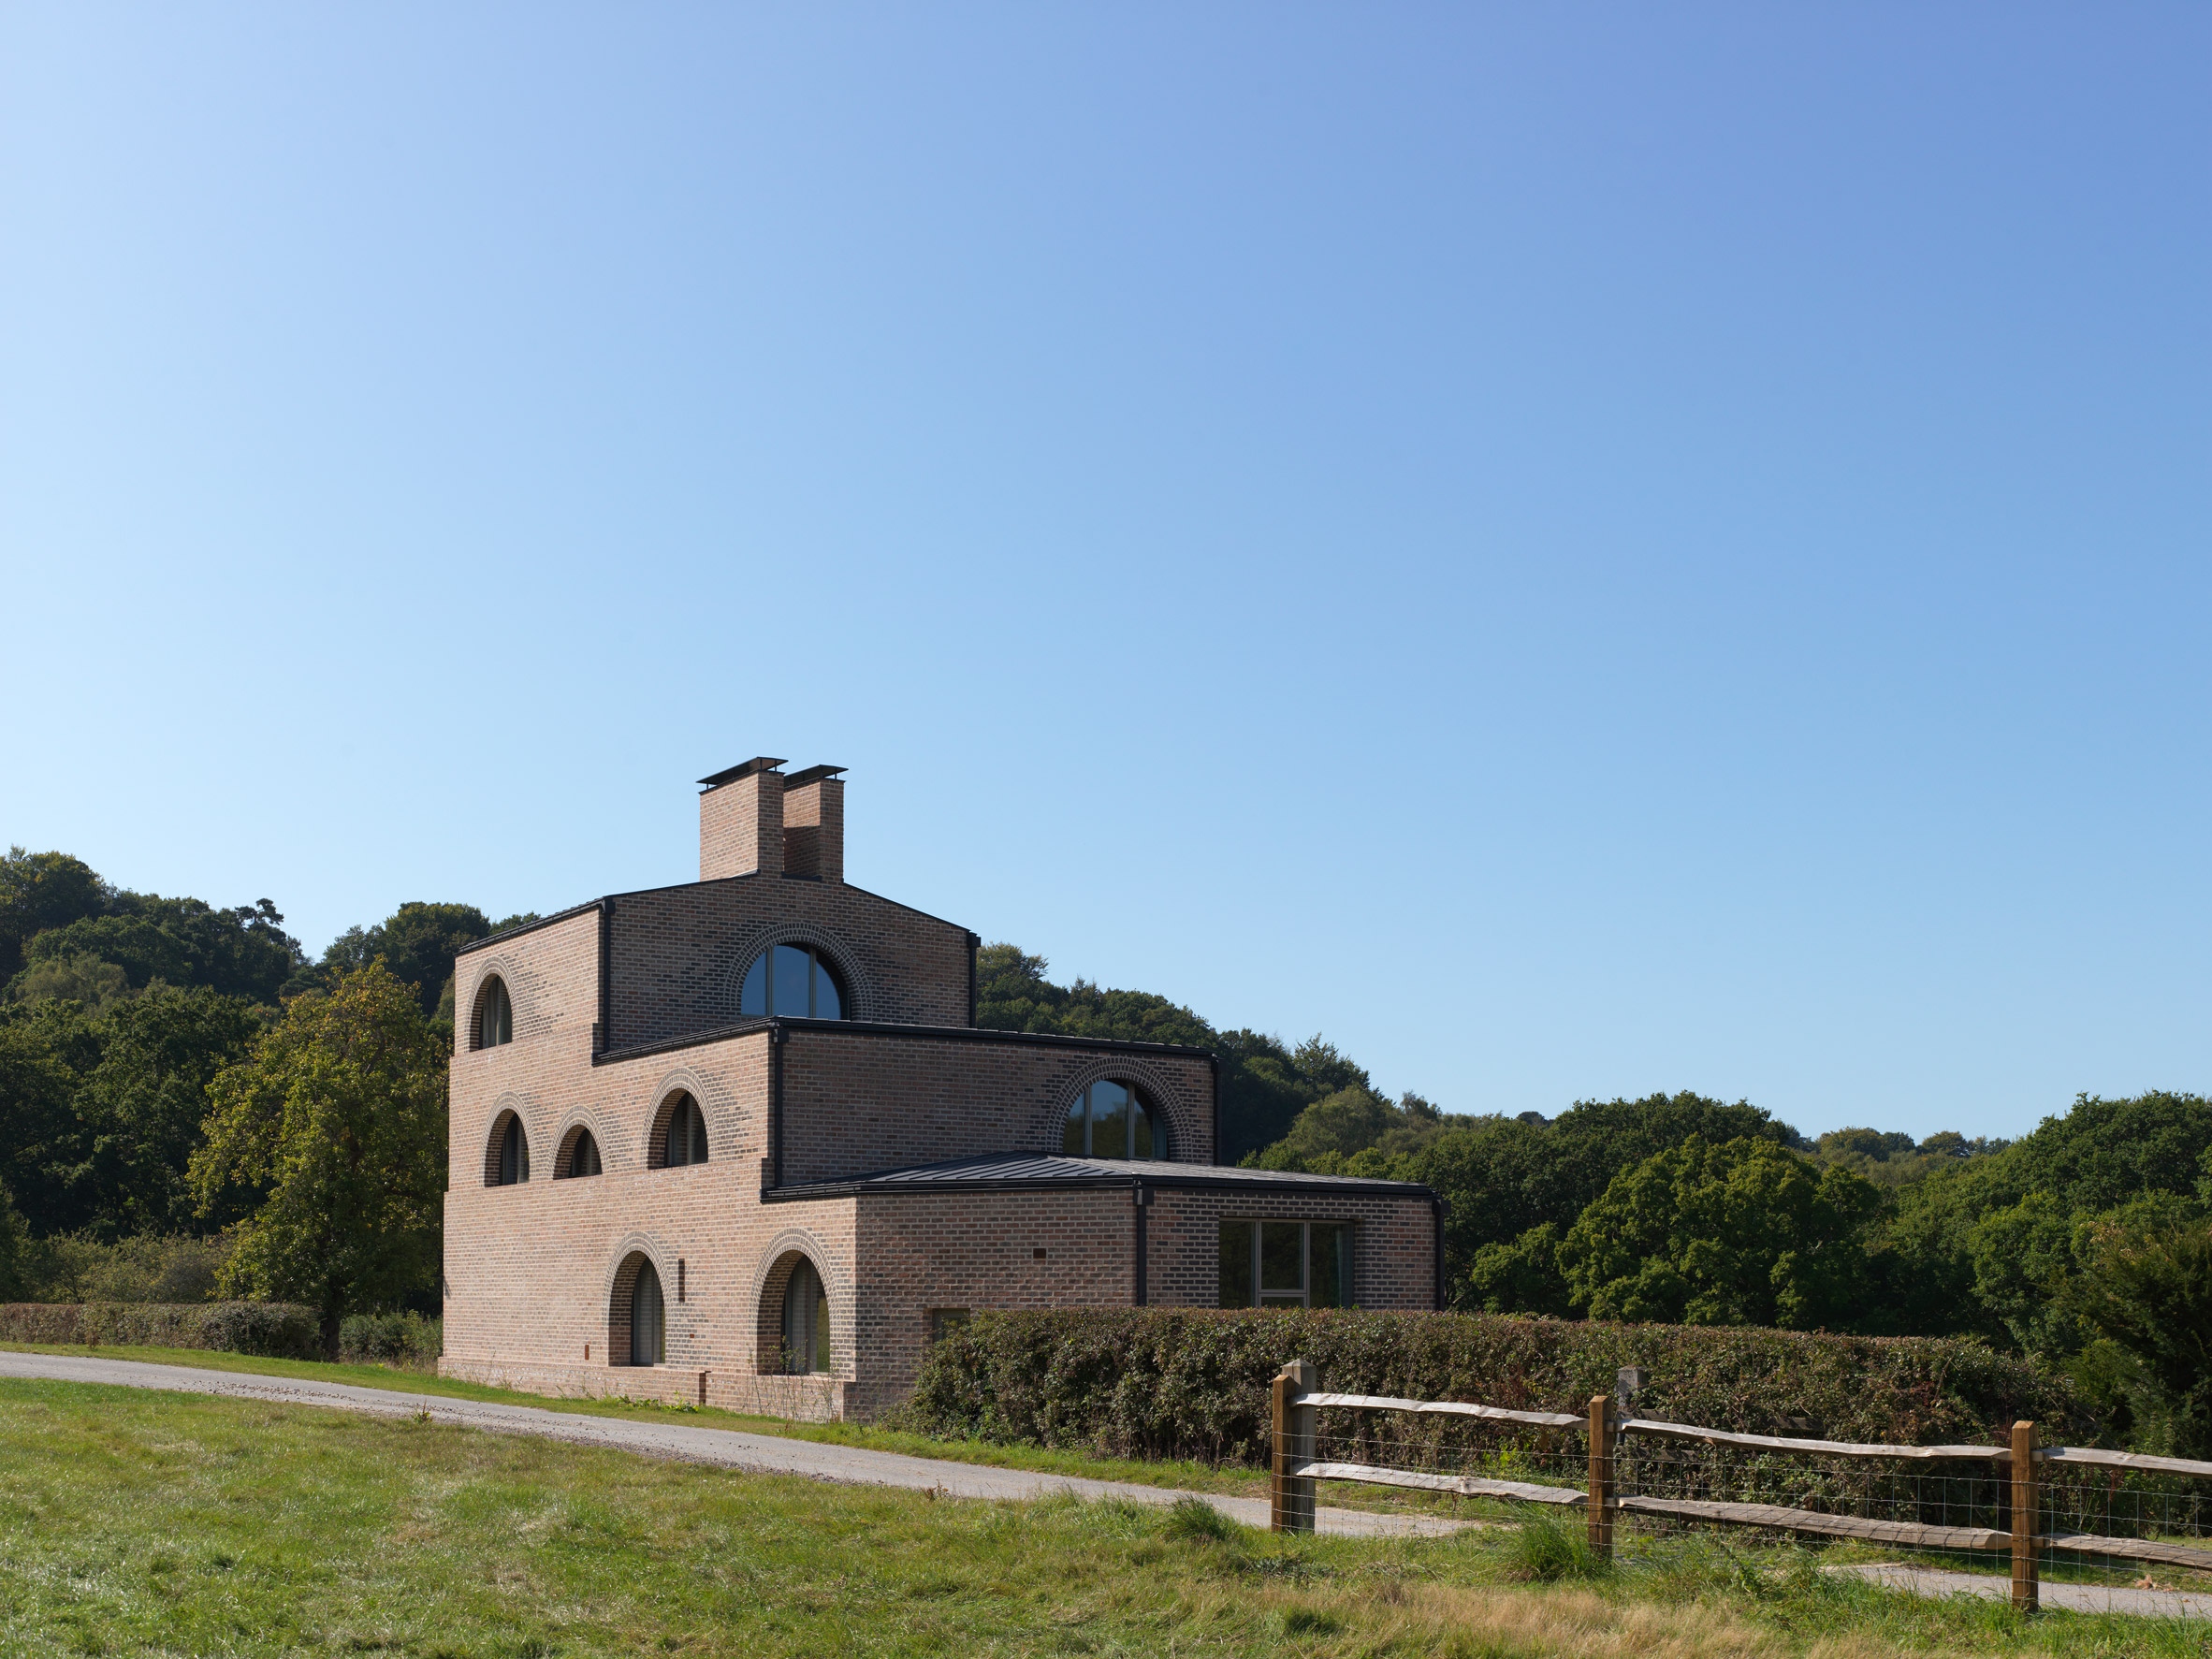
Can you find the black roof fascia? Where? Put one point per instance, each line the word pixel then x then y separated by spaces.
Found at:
pixel 1346 1186
pixel 673 886
pixel 925 1033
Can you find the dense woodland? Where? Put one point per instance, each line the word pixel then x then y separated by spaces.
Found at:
pixel 190 1106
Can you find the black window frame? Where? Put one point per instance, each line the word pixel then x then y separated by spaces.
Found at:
pixel 685 1114
pixel 1254 1272
pixel 486 1023
pixel 511 1164
pixel 1139 1102
pixel 585 1147
pixel 818 962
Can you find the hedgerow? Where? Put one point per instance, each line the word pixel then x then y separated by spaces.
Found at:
pixel 1184 1383
pixel 278 1330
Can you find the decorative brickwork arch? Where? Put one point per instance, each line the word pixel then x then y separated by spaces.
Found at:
pixel 506 1111
pixel 784 1252
pixel 861 1000
pixel 523 1014
pixel 1183 1118
pixel 621 1286
pixel 583 1121
pixel 721 1117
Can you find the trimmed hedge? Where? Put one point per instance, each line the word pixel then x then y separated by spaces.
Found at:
pixel 406 1340
pixel 278 1330
pixel 1182 1383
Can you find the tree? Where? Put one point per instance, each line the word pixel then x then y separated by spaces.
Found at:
pixel 14 1239
pixel 2148 1288
pixel 45 1050
pixel 331 1142
pixel 39 891
pixel 418 942
pixel 242 951
pixel 1744 1232
pixel 142 1105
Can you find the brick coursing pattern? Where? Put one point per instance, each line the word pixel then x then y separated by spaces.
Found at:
pixel 679 953
pixel 538 1273
pixel 854 1105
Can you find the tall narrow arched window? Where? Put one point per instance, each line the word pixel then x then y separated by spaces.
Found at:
pixel 506 1161
pixel 649 1318
pixel 494 1014
pixel 684 1142
pixel 583 1158
pixel 791 982
pixel 805 1321
pixel 1110 1120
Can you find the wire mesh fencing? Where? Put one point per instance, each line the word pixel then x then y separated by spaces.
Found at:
pixel 2016 1509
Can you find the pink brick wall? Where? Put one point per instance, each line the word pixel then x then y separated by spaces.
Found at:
pixel 532 1269
pixel 856 1104
pixel 679 953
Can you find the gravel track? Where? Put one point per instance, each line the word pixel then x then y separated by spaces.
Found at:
pixel 727 1449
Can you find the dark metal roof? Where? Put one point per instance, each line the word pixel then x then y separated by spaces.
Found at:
pixel 759 763
pixel 800 780
pixel 1006 1172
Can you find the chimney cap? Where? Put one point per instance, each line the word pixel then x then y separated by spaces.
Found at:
pixel 759 763
pixel 811 774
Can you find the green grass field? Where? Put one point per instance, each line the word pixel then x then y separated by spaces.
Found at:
pixel 1188 1477
pixel 137 1523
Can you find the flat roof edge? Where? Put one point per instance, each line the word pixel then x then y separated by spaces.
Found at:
pixel 1345 1185
pixel 920 1033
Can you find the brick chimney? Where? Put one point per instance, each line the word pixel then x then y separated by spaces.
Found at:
pixel 741 821
pixel 814 823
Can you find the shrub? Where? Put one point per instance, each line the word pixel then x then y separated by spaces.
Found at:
pixel 404 1339
pixel 276 1330
pixel 1187 1383
pixel 77 1268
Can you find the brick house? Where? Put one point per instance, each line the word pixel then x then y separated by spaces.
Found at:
pixel 741 1142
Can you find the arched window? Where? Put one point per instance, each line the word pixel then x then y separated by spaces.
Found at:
pixel 793 981
pixel 805 1321
pixel 685 1141
pixel 494 1014
pixel 583 1158
pixel 509 1162
pixel 1112 1120
pixel 649 1318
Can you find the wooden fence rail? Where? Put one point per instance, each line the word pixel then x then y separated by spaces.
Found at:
pixel 1299 1399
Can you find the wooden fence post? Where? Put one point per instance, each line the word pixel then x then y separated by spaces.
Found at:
pixel 1291 1509
pixel 1601 1473
pixel 2027 1511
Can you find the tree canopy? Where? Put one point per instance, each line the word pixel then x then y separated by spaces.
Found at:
pixel 327 1144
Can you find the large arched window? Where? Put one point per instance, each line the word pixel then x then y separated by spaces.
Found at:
pixel 581 1157
pixel 805 1321
pixel 684 1141
pixel 793 981
pixel 494 1014
pixel 508 1163
pixel 649 1318
pixel 1112 1120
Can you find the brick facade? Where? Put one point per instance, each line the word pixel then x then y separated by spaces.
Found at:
pixel 620 1006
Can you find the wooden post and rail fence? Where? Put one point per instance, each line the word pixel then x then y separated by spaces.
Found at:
pixel 1299 1399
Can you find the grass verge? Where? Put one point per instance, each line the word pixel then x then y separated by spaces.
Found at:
pixel 135 1523
pixel 1188 1476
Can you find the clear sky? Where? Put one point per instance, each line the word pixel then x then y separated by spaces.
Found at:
pixel 1577 550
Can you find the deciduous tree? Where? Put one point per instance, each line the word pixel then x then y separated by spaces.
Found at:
pixel 330 1142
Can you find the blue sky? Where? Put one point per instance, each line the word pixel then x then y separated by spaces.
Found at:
pixel 1576 550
